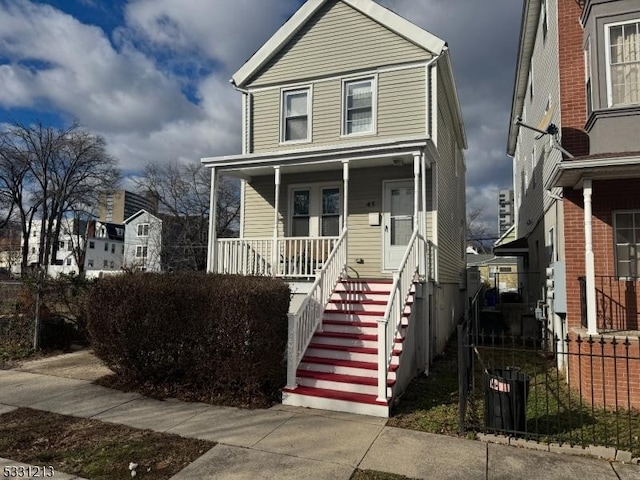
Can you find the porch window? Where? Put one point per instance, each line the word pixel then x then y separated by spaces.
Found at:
pixel 358 106
pixel 295 118
pixel 315 210
pixel 627 238
pixel 624 63
pixel 330 212
pixel 301 213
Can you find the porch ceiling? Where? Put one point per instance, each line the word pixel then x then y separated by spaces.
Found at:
pixel 572 173
pixel 372 154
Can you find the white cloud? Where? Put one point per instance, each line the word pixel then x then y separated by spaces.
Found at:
pixel 157 89
pixel 222 30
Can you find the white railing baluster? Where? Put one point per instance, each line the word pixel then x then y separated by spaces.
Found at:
pixel 388 327
pixel 308 319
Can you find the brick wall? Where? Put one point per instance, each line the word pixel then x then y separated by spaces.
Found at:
pixel 605 370
pixel 618 300
pixel 573 105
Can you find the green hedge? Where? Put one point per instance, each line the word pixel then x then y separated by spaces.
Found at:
pixel 222 334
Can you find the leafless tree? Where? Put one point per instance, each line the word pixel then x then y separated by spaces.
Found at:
pixel 183 191
pixel 477 232
pixel 46 172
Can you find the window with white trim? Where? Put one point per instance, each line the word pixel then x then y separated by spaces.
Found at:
pixel 301 213
pixel 296 108
pixel 315 210
pixel 143 229
pixel 623 58
pixel 141 251
pixel 627 242
pixel 90 263
pixel 330 222
pixel 358 106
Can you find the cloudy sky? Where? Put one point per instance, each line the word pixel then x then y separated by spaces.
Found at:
pixel 151 76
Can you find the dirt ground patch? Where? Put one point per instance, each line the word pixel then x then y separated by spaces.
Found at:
pixel 94 449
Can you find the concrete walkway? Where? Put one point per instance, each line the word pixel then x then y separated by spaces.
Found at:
pixel 287 442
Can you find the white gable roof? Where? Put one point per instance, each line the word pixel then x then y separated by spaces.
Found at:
pixel 381 15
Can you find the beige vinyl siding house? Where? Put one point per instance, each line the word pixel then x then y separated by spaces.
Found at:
pixel 400 109
pixel 353 180
pixel 333 29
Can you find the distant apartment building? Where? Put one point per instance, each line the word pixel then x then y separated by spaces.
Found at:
pixel 505 211
pixel 116 207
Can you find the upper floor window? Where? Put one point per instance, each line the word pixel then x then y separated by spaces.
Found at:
pixel 358 106
pixel 627 242
pixel 623 57
pixel 143 230
pixel 296 107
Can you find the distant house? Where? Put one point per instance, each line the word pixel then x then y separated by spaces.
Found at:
pixel 353 191
pixel 98 246
pixel 143 242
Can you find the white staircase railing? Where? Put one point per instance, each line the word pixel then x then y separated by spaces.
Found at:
pixel 413 264
pixel 304 323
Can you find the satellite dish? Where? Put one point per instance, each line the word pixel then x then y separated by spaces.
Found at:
pixel 546 119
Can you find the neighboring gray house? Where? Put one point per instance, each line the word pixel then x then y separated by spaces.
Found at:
pixel 142 242
pixel 353 190
pixel 576 186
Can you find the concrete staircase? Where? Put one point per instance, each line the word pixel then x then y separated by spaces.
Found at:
pixel 340 368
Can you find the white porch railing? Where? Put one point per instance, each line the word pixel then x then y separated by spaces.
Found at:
pixel 413 264
pixel 304 323
pixel 296 257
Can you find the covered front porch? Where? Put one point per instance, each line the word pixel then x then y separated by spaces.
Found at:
pixel 297 204
pixel 354 223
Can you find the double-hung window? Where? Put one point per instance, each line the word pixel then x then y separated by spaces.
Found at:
pixel 358 106
pixel 623 56
pixel 301 213
pixel 141 251
pixel 315 210
pixel 330 212
pixel 296 108
pixel 143 229
pixel 627 239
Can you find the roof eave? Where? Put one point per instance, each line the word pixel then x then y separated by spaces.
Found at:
pixel 291 27
pixel 528 32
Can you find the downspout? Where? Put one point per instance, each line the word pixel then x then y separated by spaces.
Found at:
pixel 246 114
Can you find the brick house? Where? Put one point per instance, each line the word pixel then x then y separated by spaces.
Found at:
pixel 576 190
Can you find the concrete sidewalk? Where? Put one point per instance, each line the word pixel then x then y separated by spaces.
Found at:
pixel 294 443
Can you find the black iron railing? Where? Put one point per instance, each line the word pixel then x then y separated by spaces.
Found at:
pixel 616 303
pixel 577 391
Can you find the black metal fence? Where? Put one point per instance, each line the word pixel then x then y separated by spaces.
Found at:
pixel 574 391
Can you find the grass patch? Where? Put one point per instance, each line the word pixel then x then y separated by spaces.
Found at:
pixel 430 404
pixel 375 475
pixel 94 449
pixel 554 411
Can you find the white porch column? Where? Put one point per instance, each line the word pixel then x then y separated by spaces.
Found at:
pixel 423 180
pixel 345 210
pixel 416 188
pixel 276 209
pixel 212 254
pixel 592 325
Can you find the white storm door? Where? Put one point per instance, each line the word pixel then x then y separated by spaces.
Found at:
pixel 397 221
